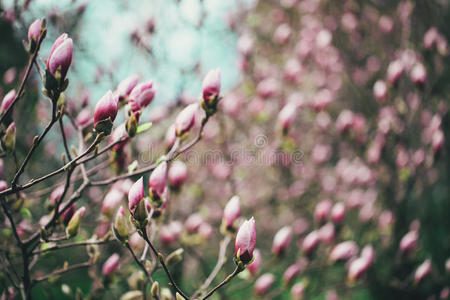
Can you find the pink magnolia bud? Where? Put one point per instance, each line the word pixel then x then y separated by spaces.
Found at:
pixel 430 37
pixel 111 264
pixel 142 95
pixel 358 267
pixel 60 56
pixel 344 120
pixel 136 194
pixel 267 88
pixel 34 31
pixel 205 230
pixel 245 241
pixel 255 265
pixel 112 201
pixel 343 251
pixel 291 272
pixel 380 90
pixel 409 241
pixel 170 233
pixel 419 75
pixel 437 140
pixel 297 291
pixel 177 174
pixel 126 86
pixel 282 240
pixel 137 243
pixel 67 214
pixel 193 223
pixel 8 100
pixel 287 116
pixel 231 212
pixel 422 271
pixel 311 241
pixel 326 233
pixel 84 117
pixel 263 283
pixel 369 253
pixel 185 119
pixel 157 180
pixel 211 86
pixel 106 108
pixel 56 194
pixel 3 185
pixel 282 33
pixel 322 210
pixel 338 212
pixel 170 136
pixel 394 71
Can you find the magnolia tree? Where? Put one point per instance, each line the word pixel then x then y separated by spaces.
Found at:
pixel 333 147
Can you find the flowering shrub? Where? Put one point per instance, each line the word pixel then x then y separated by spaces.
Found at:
pixel 326 166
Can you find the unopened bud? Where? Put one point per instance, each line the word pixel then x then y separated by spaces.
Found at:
pixel 175 257
pixel 155 289
pixel 74 223
pixel 120 225
pixel 9 139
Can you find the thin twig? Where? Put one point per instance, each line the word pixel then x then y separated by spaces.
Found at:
pixel 226 280
pixel 62 271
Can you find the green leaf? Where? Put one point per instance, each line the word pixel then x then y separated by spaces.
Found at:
pixel 144 127
pixel 25 212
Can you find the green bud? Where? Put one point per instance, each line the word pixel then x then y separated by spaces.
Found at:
pixel 74 223
pixel 175 257
pixel 155 289
pixel 120 227
pixel 9 139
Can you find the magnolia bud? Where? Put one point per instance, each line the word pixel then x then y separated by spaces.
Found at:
pixel 60 58
pixel 409 241
pixel 105 113
pixel 255 265
pixel 74 223
pixel 380 90
pixel 291 272
pixel 142 95
pixel 263 283
pixel 66 216
pixel 136 242
pixel 111 202
pixel 135 194
pixel 211 88
pixel 84 117
pixel 394 71
pixel 126 86
pixel 282 240
pixel 174 257
pixel 111 264
pixel 9 139
pixel 245 241
pixel 311 241
pixel 338 212
pixel 297 291
pixel 287 116
pixel 8 100
pixel 344 250
pixel 177 174
pixel 358 267
pixel 322 210
pixel 120 225
pixel 419 75
pixel 34 33
pixel 231 212
pixel 155 290
pixel 3 185
pixel 185 119
pixel 157 181
pixel 132 124
pixel 422 271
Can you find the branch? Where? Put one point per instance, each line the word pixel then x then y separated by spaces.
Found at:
pixel 149 278
pixel 69 245
pixel 228 279
pixel 62 271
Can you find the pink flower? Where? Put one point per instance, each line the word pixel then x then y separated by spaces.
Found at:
pixel 358 267
pixel 297 291
pixel 8 100
pixel 84 117
pixel 287 116
pixel 136 194
pixel 338 212
pixel 231 212
pixel 211 86
pixel 125 87
pixel 60 56
pixel 322 210
pixel 326 233
pixel 418 75
pixel 282 240
pixel 291 272
pixel 3 185
pixel 111 201
pixel 245 241
pixel 394 71
pixel 344 250
pixel 194 222
pixel 177 174
pixel 255 265
pixel 422 271
pixel 157 180
pixel 56 194
pixel 263 283
pixel 409 241
pixel 170 136
pixel 106 108
pixel 369 253
pixel 380 90
pixel 311 241
pixel 142 95
pixel 185 119
pixel 111 264
pixel 34 31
